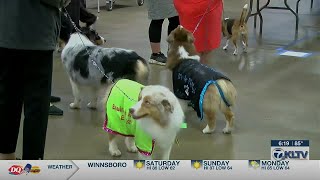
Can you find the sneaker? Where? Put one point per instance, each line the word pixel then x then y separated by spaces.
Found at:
pixel 55 111
pixel 158 58
pixel 54 99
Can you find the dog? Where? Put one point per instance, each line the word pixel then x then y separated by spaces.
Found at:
pixel 233 28
pixel 95 67
pixel 207 89
pixel 67 29
pixel 147 116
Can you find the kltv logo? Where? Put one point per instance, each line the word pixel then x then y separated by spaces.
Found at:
pixel 280 154
pixel 15 170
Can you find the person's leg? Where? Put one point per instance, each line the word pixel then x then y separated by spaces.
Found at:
pixel 10 102
pixel 173 23
pixel 73 10
pixel 155 30
pixel 83 3
pixel 37 84
pixel 54 99
pixel 86 16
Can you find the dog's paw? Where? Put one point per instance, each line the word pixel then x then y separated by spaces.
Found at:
pixel 235 53
pixel 207 130
pixel 133 149
pixel 226 130
pixel 245 49
pixel 115 152
pixel 74 106
pixel 225 47
pixel 92 105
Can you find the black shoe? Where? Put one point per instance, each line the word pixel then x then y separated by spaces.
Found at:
pixel 54 99
pixel 53 110
pixel 158 58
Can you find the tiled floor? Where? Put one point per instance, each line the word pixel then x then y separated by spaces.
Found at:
pixel 278 95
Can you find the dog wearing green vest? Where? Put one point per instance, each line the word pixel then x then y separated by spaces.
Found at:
pixel 148 117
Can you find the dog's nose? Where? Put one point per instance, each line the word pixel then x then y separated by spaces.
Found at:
pixel 131 110
pixel 105 40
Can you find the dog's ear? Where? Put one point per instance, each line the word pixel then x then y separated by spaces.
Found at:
pixel 190 38
pixel 167 106
pixel 139 96
pixel 170 38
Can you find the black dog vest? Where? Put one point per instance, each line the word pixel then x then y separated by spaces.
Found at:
pixel 191 80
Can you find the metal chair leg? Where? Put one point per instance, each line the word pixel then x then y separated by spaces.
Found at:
pixel 98 6
pixel 250 10
pixel 295 14
pixel 255 21
pixel 260 16
pixel 297 6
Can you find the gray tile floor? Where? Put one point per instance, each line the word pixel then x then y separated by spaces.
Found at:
pixel 278 95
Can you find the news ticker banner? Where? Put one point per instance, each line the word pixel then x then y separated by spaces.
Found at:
pixel 139 169
pixel 289 159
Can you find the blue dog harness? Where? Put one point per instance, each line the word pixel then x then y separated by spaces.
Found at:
pixel 191 80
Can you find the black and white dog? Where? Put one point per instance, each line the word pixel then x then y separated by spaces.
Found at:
pixel 88 65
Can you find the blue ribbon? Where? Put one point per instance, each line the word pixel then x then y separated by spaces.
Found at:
pixel 204 90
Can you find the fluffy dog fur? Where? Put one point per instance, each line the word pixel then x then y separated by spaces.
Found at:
pixel 182 48
pixel 158 113
pixel 233 28
pixel 79 56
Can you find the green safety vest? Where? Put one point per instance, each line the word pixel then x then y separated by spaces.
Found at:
pixel 118 118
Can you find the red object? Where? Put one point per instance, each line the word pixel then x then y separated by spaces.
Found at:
pixel 15 170
pixel 208 34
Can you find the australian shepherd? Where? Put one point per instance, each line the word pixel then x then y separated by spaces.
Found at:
pixel 147 116
pixel 235 28
pixel 92 66
pixel 207 89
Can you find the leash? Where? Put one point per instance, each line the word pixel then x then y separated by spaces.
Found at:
pixel 207 10
pixel 78 31
pixel 205 13
pixel 70 19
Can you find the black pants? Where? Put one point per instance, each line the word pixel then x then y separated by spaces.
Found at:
pixel 155 28
pixel 78 12
pixel 25 81
pixel 74 11
pixel 86 16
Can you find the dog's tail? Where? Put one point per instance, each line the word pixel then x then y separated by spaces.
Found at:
pixel 244 14
pixel 142 70
pixel 229 91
